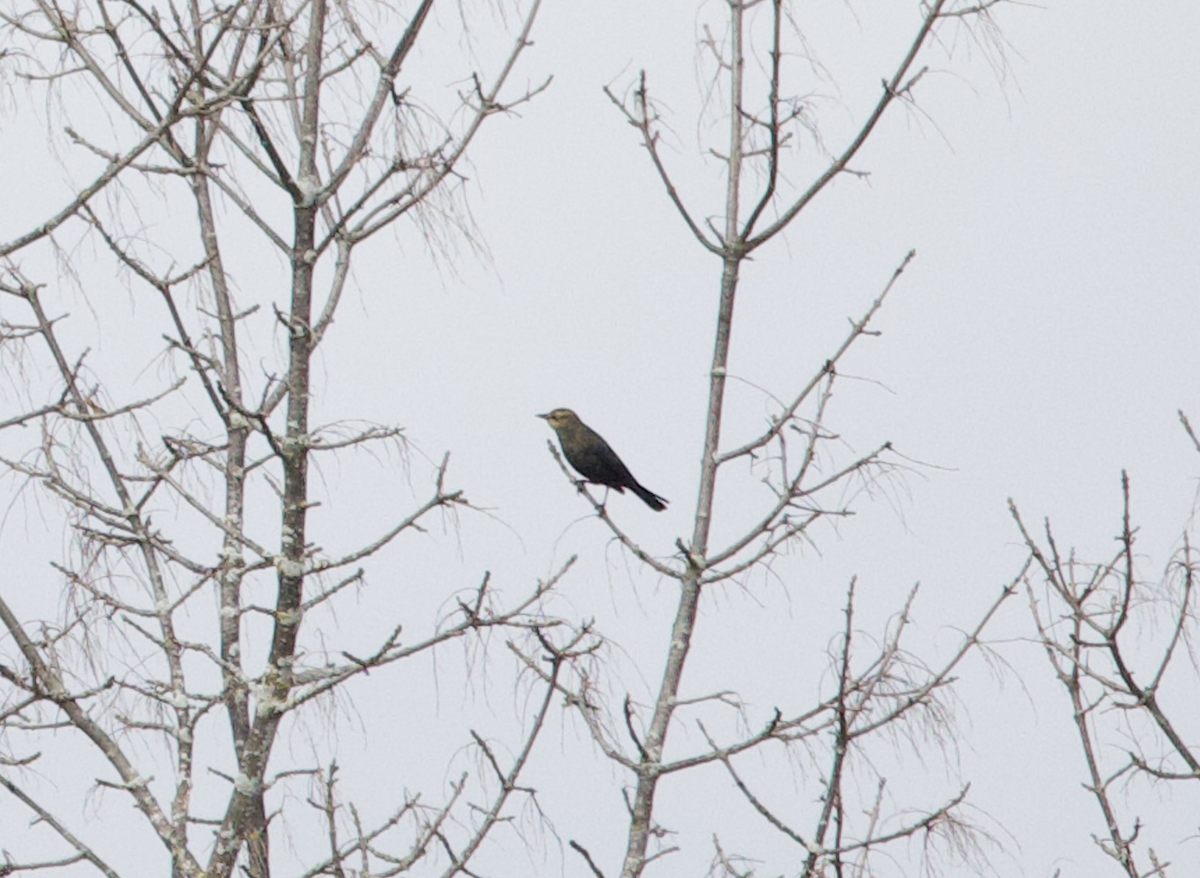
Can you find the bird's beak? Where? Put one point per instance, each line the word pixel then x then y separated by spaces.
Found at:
pixel 544 417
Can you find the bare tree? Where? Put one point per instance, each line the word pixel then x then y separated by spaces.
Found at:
pixel 239 154
pixel 876 690
pixel 1123 648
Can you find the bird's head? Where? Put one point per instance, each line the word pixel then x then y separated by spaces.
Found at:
pixel 560 418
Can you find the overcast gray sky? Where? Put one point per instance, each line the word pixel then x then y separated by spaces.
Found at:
pixel 1042 341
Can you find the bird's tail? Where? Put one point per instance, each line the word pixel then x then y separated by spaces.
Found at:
pixel 655 502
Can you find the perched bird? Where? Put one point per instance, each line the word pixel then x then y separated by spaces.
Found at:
pixel 593 459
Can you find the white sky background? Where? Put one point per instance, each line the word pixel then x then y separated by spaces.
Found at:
pixel 1042 341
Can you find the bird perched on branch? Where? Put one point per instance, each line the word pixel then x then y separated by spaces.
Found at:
pixel 593 459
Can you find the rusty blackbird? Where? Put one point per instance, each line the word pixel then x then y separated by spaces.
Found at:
pixel 593 459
